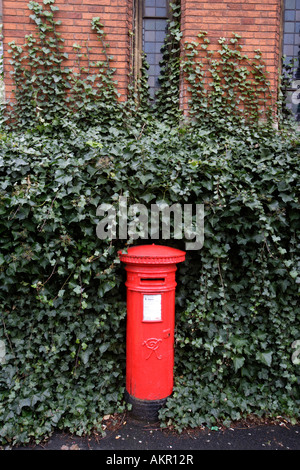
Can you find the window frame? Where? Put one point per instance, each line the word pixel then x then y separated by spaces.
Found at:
pixel 138 18
pixel 289 41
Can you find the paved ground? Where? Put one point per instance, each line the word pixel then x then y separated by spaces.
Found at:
pixel 145 440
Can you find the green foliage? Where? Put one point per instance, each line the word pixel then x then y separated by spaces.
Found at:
pixel 226 87
pixel 167 98
pixel 46 90
pixel 62 290
pixel 286 116
pixel 240 293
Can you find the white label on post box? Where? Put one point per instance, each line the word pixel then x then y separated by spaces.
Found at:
pixel 152 307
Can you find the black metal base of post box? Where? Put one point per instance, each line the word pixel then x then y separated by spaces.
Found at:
pixel 144 409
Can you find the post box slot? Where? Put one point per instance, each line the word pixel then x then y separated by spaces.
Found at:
pixel 153 279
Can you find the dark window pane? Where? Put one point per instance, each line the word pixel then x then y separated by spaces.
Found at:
pixel 289 27
pixel 160 12
pixel 151 82
pixel 161 3
pixel 160 25
pixel 289 15
pixel 288 38
pixel 150 24
pixel 150 47
pixel 291 48
pixel 149 11
pixel 288 50
pixel 160 36
pixel 290 4
pixel 149 36
pixel 151 59
pixel 157 58
pixel 154 33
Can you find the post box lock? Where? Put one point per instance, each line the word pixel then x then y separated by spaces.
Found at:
pixel 150 325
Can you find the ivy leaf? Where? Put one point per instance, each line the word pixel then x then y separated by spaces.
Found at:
pixel 285 197
pixel 265 357
pixel 85 355
pixel 238 362
pixel 24 402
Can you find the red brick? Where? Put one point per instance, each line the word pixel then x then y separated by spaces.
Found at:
pixel 257 22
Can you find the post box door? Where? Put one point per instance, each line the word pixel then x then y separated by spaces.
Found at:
pixel 150 345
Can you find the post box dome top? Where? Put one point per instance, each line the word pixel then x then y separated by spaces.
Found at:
pixel 152 254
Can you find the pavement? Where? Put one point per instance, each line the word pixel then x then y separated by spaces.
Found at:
pixel 140 443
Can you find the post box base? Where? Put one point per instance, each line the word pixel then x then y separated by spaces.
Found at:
pixel 146 410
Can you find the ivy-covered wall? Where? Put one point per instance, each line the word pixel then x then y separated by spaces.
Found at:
pixel 259 24
pixel 68 144
pixel 75 17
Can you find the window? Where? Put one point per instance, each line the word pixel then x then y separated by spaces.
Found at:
pixel 1 59
pixel 155 15
pixel 151 28
pixel 291 49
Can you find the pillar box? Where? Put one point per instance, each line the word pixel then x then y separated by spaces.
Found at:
pixel 150 326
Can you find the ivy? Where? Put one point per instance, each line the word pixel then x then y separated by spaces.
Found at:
pixel 167 104
pixel 46 91
pixel 226 86
pixel 67 145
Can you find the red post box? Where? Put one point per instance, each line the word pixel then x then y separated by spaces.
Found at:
pixel 150 326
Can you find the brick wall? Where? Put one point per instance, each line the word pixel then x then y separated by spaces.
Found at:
pixel 76 18
pixel 258 22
